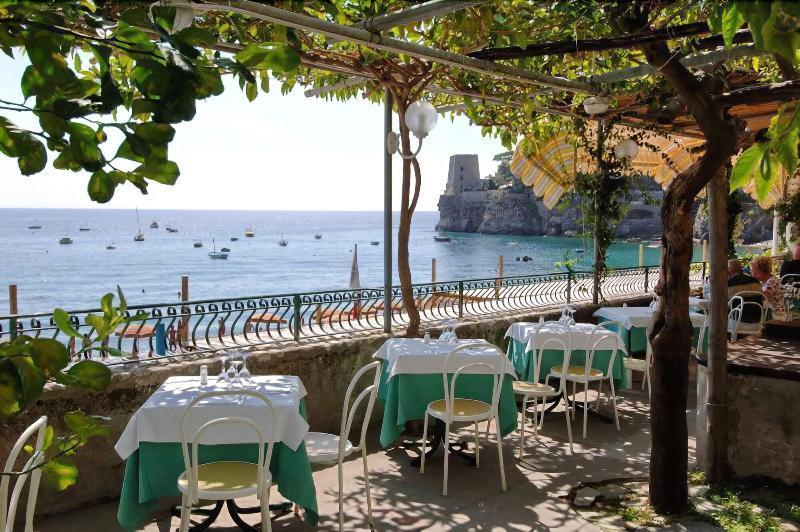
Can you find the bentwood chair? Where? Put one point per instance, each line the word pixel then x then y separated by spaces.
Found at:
pixel 586 374
pixel 8 509
pixel 738 320
pixel 454 409
pixel 538 390
pixel 323 448
pixel 227 480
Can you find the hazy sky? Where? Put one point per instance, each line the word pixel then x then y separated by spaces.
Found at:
pixel 280 152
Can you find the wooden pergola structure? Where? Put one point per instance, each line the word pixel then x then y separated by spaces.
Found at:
pixel 752 104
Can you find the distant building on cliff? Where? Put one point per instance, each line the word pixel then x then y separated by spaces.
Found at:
pixel 470 205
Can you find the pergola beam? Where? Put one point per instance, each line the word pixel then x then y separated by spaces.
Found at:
pixel 417 13
pixel 389 44
pixel 573 46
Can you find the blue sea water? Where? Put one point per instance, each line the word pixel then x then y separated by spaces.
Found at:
pixel 74 276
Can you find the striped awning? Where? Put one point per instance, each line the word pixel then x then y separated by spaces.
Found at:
pixel 551 169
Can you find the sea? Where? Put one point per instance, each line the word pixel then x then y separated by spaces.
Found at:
pixel 75 276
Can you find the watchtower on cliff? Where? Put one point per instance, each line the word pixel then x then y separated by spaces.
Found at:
pixel 463 175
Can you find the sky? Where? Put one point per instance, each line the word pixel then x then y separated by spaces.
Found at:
pixel 279 152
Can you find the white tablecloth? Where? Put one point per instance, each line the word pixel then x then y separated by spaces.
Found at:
pixel 413 355
pixel 638 317
pixel 583 335
pixel 159 418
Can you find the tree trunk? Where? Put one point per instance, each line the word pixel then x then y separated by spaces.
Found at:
pixel 404 230
pixel 672 328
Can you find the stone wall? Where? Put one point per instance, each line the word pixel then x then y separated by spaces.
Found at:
pixel 325 367
pixel 763 425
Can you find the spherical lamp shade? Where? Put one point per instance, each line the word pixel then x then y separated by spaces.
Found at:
pixel 627 149
pixel 595 105
pixel 184 16
pixel 421 118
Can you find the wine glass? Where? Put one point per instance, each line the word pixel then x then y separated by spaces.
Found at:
pixel 244 373
pixel 222 378
pixel 233 372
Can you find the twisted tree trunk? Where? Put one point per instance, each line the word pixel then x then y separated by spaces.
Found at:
pixel 407 205
pixel 672 331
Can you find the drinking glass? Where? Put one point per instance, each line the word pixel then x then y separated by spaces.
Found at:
pixel 222 378
pixel 244 373
pixel 233 373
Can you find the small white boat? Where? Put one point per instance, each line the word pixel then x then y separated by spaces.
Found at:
pixel 111 246
pixel 442 238
pixel 139 236
pixel 65 240
pixel 85 226
pixel 217 254
pixel 283 242
pixel 154 225
pixel 249 233
pixel 35 225
pixel 318 236
pixel 171 229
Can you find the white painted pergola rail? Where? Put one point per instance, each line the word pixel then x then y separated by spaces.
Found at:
pixel 380 42
pixel 417 13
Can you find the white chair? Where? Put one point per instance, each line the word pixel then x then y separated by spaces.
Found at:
pixel 696 351
pixel 736 309
pixel 8 510
pixel 544 391
pixel 454 409
pixel 637 364
pixel 586 374
pixel 220 481
pixel 323 448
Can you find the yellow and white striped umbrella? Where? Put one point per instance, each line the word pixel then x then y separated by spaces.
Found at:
pixel 551 169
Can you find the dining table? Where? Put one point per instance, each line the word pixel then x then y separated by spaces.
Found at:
pixel 150 445
pixel 523 336
pixel 411 378
pixel 633 322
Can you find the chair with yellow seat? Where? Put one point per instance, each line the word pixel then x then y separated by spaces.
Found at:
pixel 454 409
pixel 538 390
pixel 228 480
pixel 600 339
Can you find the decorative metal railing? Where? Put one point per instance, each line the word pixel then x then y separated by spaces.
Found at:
pixel 178 329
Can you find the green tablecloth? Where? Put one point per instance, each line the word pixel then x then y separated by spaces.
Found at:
pixel 153 470
pixel 405 397
pixel 555 358
pixel 635 339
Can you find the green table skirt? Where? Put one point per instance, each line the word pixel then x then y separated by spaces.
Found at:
pixel 551 358
pixel 405 397
pixel 635 339
pixel 153 470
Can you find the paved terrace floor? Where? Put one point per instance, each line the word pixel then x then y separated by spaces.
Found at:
pixel 404 499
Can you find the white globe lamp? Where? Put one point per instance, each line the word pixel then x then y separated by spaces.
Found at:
pixel 421 118
pixel 627 149
pixel 595 105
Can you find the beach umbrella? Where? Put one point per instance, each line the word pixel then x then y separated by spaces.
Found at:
pixel 355 282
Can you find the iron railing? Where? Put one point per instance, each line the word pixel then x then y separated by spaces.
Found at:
pixel 178 329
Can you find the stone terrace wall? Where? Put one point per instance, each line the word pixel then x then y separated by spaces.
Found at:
pixel 325 366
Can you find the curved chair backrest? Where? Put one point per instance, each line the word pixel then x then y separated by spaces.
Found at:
pixel 190 460
pixel 497 371
pixel 349 409
pixel 537 344
pixel 8 510
pixel 790 279
pixel 703 330
pixel 552 343
pixel 738 303
pixel 608 341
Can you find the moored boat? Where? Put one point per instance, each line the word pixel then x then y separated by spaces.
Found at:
pixel 318 236
pixel 85 226
pixel 249 233
pixel 65 240
pixel 442 238
pixel 283 242
pixel 154 225
pixel 198 244
pixel 214 254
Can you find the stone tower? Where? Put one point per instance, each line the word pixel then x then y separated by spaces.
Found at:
pixel 463 174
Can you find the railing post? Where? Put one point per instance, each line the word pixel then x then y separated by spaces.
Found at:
pixel 646 279
pixel 499 281
pixel 569 288
pixel 461 299
pixel 296 318
pixel 12 310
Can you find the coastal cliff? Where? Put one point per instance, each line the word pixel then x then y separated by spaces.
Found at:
pixel 505 206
